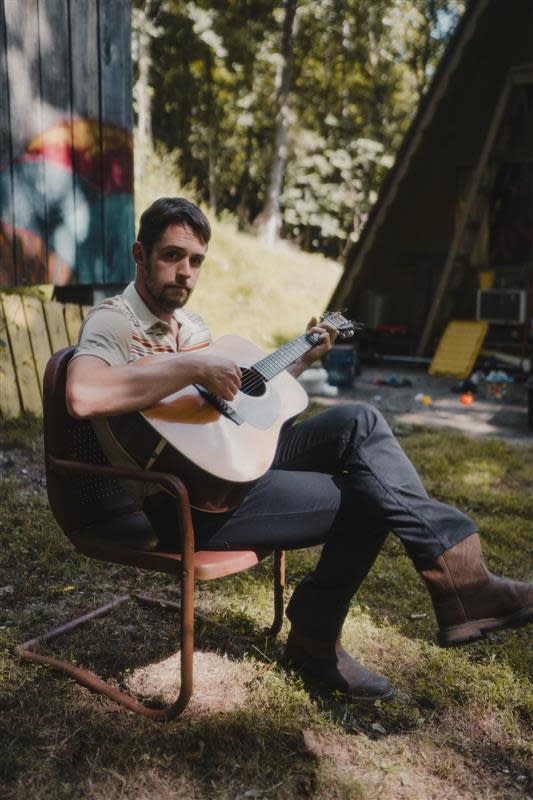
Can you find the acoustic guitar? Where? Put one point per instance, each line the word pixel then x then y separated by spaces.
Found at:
pixel 219 448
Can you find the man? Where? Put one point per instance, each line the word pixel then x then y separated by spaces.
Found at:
pixel 339 478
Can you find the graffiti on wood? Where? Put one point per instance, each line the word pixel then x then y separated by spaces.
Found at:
pixel 66 154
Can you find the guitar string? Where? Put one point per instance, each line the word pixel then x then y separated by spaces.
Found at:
pixel 255 380
pixel 250 383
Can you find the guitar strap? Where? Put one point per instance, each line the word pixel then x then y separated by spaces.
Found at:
pixel 119 457
pixel 156 452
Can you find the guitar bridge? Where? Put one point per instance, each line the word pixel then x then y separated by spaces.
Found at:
pixel 220 404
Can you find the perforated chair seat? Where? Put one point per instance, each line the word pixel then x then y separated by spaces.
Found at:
pixel 111 541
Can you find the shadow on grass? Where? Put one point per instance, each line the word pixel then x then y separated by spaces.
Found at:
pixel 61 735
pixel 58 739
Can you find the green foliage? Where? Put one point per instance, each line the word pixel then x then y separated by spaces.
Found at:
pixel 359 72
pixel 329 191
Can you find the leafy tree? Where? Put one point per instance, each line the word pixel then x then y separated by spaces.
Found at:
pixel 292 109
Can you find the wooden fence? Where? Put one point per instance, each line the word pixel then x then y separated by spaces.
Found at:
pixel 31 329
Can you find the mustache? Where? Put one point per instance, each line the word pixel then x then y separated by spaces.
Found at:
pixel 176 285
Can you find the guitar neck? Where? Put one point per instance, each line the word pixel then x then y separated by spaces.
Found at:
pixel 280 359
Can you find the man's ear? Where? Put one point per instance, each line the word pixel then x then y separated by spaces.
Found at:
pixel 137 251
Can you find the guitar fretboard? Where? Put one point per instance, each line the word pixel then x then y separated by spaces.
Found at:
pixel 274 363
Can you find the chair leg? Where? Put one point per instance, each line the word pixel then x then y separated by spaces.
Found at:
pixel 279 592
pixel 27 651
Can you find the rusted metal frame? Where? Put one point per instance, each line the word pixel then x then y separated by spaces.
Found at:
pixel 175 487
pixel 102 611
pixel 26 651
pixel 183 513
pixel 184 521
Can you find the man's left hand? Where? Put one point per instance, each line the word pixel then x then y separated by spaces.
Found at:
pixel 328 334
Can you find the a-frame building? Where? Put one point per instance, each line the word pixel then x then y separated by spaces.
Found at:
pixel 456 209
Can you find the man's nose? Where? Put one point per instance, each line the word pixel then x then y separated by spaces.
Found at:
pixel 183 268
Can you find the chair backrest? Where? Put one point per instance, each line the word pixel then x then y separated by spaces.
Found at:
pixel 76 501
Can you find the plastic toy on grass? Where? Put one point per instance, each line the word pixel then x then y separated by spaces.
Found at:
pixel 393 381
pixel 498 385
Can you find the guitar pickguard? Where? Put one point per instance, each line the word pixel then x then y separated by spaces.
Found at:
pixel 259 412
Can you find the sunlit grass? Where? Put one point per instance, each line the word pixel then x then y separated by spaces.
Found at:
pixel 458 727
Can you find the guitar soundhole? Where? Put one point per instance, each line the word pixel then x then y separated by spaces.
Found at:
pixel 252 383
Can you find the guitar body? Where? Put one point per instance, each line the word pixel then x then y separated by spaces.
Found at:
pixel 218 459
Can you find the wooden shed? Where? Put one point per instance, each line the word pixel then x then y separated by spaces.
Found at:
pixel 66 178
pixel 457 207
pixel 66 152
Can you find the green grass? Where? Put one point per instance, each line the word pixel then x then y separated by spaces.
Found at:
pixel 458 727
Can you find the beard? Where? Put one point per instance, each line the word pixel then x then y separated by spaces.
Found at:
pixel 164 296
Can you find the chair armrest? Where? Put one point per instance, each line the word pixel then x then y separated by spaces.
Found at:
pixel 171 483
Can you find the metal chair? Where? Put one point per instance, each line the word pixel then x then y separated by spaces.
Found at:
pixel 94 511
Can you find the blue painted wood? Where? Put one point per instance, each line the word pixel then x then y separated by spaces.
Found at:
pixel 7 255
pixel 85 71
pixel 56 112
pixel 66 194
pixel 117 138
pixel 29 213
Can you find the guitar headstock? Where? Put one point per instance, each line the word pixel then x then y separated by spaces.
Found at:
pixel 345 327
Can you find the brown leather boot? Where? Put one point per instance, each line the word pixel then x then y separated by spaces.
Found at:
pixel 328 665
pixel 468 599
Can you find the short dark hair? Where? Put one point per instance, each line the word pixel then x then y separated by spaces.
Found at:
pixel 171 211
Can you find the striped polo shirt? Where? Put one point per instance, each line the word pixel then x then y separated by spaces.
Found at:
pixel 120 330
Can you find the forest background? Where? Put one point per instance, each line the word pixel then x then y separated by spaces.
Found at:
pixel 284 115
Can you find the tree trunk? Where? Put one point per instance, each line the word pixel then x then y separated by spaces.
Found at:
pixel 268 222
pixel 243 210
pixel 211 126
pixel 143 90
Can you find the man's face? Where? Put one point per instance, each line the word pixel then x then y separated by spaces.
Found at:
pixel 167 279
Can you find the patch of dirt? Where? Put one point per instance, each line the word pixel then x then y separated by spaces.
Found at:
pixel 484 417
pixel 220 684
pixel 23 465
pixel 391 768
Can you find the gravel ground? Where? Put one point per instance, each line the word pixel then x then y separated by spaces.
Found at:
pixel 507 419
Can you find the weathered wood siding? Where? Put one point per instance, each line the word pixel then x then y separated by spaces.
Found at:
pixel 66 155
pixel 31 329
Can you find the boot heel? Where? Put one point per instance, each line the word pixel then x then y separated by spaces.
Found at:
pixel 459 634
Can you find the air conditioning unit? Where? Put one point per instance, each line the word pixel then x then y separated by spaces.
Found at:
pixel 501 306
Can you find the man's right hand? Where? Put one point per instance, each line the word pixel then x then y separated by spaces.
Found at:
pixel 94 388
pixel 219 375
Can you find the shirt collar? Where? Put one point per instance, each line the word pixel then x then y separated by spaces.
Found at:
pixel 141 310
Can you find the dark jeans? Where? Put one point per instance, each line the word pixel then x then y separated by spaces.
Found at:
pixel 339 479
